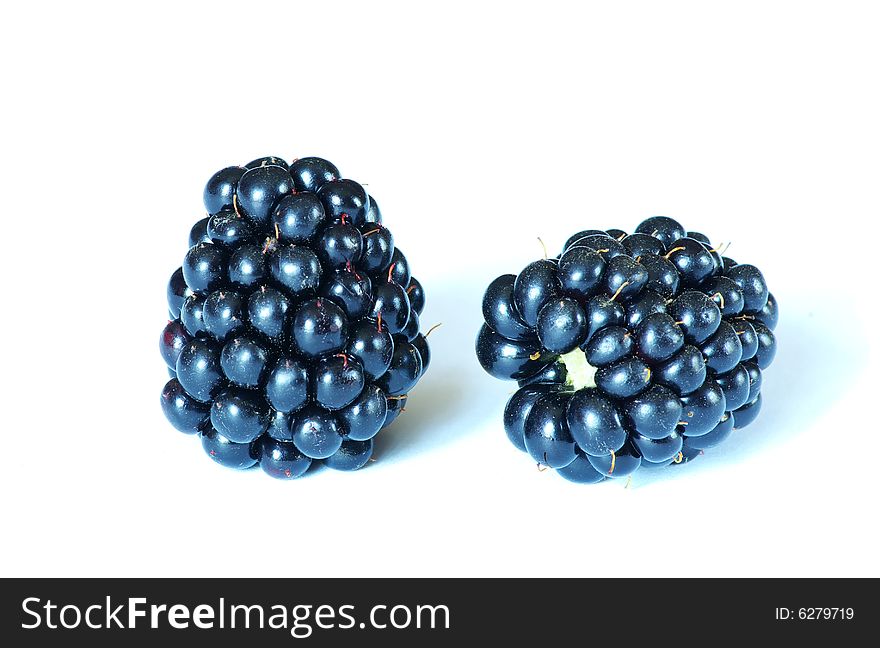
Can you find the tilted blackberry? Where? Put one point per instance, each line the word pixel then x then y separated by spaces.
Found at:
pixel 294 334
pixel 631 351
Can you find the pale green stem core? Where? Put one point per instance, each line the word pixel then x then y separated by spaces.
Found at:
pixel 580 372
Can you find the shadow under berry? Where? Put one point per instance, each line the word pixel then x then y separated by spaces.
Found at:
pixel 451 388
pixel 427 409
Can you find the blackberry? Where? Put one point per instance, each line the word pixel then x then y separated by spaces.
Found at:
pixel 630 351
pixel 294 334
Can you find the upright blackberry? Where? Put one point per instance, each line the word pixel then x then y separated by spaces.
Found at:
pixel 294 333
pixel 629 350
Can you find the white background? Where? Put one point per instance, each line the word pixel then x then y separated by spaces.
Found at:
pixel 479 127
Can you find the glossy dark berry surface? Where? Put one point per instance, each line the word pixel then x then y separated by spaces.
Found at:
pixel 268 160
pixel 199 232
pixel 317 327
pixel 204 267
pixel 311 173
pixel 220 189
pixel 517 410
pixel 364 417
pixel 391 304
pixel 352 291
pixel 664 229
pixel 345 198
pixel 299 217
pixel 183 411
pixel 244 361
pixel 546 434
pixel 377 247
pixel 174 337
pixel 416 295
pixel 351 455
pixel 536 285
pixel 500 313
pixel 338 380
pixel 282 459
pixel 561 325
pixel 295 333
pixel 258 192
pixel 595 423
pixel 630 351
pixel 229 453
pixel 404 371
pixel 580 271
pixel 223 313
pixel 646 303
pixel 247 266
pixel 240 415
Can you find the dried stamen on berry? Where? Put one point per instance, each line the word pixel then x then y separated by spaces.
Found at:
pixel 433 328
pixel 619 290
pixel 544 247
pixel 350 268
